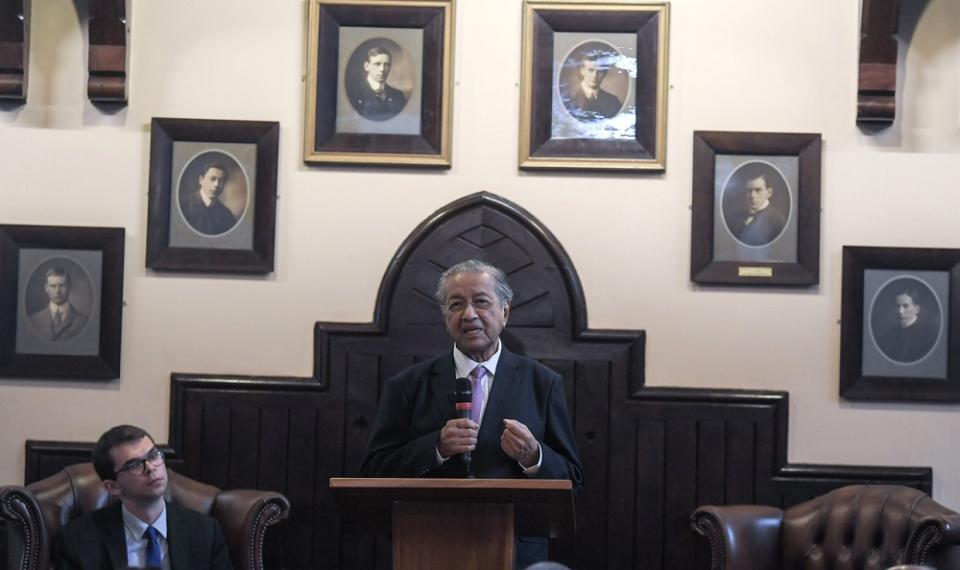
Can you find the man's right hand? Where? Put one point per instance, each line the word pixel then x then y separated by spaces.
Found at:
pixel 457 436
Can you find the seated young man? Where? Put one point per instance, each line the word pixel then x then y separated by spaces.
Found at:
pixel 139 529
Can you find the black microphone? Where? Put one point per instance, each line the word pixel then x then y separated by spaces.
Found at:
pixel 463 398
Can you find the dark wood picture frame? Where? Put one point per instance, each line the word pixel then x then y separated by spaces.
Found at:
pixel 704 267
pixel 164 256
pixel 584 140
pixel 855 384
pixel 16 240
pixel 326 141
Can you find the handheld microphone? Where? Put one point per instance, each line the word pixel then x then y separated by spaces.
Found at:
pixel 463 398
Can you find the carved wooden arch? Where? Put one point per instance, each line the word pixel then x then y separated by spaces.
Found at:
pixel 548 318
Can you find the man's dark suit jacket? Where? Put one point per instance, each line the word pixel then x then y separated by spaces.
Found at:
pixel 211 220
pixel 375 108
pixel 96 541
pixel 605 106
pixel 73 325
pixel 417 403
pixel 765 227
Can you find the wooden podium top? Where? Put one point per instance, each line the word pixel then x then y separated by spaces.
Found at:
pixel 542 506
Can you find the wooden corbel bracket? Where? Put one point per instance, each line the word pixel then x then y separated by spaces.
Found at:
pixel 107 82
pixel 877 86
pixel 14 48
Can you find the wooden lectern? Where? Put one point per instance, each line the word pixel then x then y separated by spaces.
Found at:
pixel 456 523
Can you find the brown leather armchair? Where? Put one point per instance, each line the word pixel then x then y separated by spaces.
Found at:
pixel 35 513
pixel 868 527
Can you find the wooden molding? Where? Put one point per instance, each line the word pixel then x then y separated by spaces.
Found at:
pixel 877 84
pixel 107 61
pixel 14 47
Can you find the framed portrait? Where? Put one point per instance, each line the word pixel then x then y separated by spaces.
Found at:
pixel 379 82
pixel 899 336
pixel 755 209
pixel 594 86
pixel 213 194
pixel 63 290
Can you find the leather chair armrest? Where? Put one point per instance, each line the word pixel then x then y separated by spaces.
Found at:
pixel 932 539
pixel 28 546
pixel 740 536
pixel 244 516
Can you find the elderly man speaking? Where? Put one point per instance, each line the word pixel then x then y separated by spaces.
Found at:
pixel 519 425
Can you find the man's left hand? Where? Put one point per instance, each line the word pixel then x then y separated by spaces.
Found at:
pixel 518 443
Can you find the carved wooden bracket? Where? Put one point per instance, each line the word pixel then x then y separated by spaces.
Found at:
pixel 14 47
pixel 108 52
pixel 877 87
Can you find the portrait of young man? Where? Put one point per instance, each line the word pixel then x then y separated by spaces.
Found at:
pixel 756 204
pixel 202 207
pixel 371 93
pixel 138 528
pixel 59 320
pixel 912 326
pixel 585 98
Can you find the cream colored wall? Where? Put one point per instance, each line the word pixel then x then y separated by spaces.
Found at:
pixel 734 65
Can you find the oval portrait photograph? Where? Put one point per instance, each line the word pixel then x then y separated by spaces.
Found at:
pixel 906 320
pixel 58 299
pixel 756 204
pixel 379 79
pixel 213 193
pixel 592 86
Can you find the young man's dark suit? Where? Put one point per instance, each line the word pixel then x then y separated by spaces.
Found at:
pixel 211 220
pixel 96 541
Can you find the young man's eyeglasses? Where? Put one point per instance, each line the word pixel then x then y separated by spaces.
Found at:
pixel 138 466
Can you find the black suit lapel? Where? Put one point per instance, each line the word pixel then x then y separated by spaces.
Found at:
pixel 114 539
pixel 442 384
pixel 178 539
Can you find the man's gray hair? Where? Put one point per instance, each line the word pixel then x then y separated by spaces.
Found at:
pixel 500 285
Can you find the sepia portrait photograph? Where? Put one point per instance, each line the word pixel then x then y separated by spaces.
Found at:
pixel 905 318
pixel 899 324
pixel 379 85
pixel 63 289
pixel 756 217
pixel 213 192
pixel 594 97
pixel 593 89
pixel 213 195
pixel 59 296
pixel 756 208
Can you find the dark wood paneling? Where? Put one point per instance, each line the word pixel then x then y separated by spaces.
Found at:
pixel 650 455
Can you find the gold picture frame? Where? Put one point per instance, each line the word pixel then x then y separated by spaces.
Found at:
pixel 379 86
pixel 594 85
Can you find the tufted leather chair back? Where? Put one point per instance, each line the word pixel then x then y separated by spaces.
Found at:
pixel 863 527
pixel 36 514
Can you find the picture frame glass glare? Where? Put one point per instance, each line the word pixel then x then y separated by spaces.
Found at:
pixel 593 78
